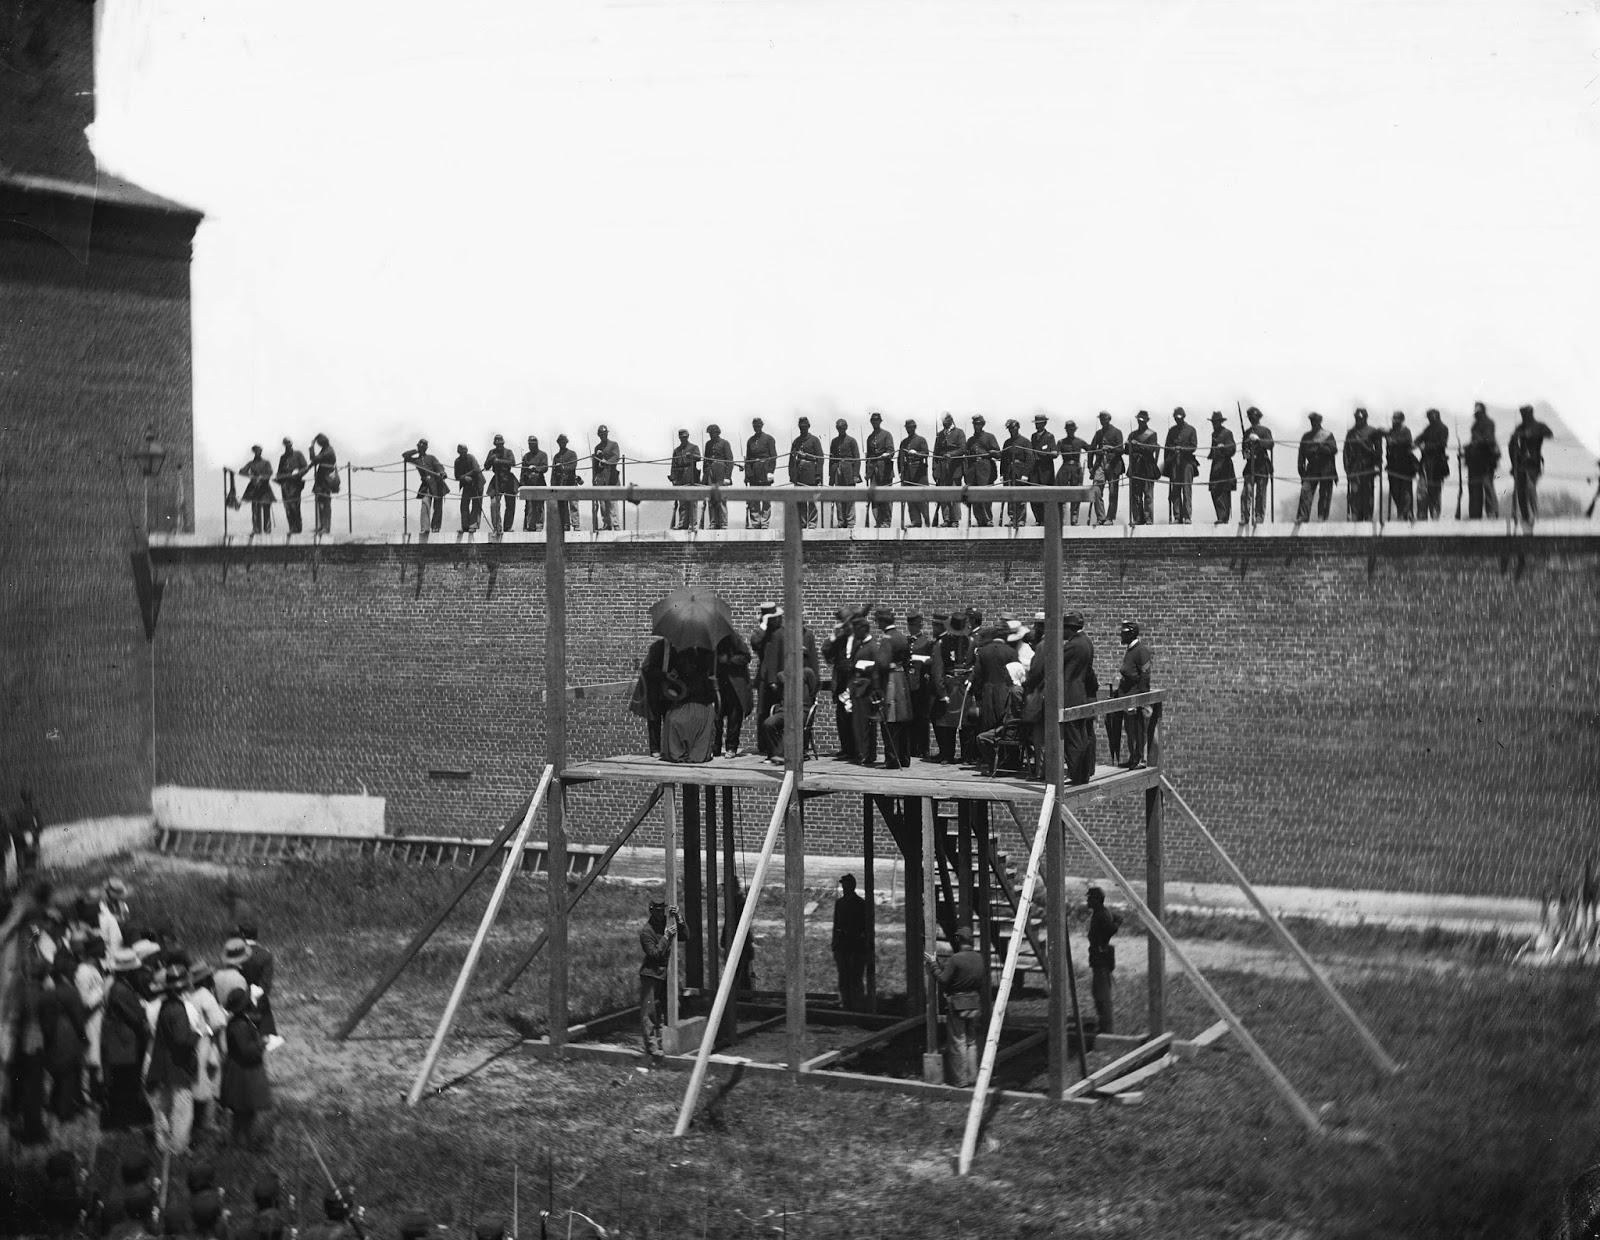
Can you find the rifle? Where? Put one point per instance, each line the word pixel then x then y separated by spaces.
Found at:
pixel 1461 465
pixel 1589 511
pixel 354 1217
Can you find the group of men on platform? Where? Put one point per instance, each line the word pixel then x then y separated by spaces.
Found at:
pixel 290 475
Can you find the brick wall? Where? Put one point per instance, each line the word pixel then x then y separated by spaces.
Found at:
pixel 1416 715
pixel 94 351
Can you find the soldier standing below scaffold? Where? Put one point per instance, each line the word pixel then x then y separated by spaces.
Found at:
pixel 982 468
pixel 1482 458
pixel 431 486
pixel 291 480
pixel 499 461
pixel 1402 467
pixel 607 463
pixel 1134 677
pixel 851 945
pixel 1223 480
pixel 1016 470
pixel 685 472
pixel 1319 470
pixel 1042 461
pixel 1105 469
pixel 1526 449
pixel 805 468
pixel 926 679
pixel 718 472
pixel 258 491
pixel 961 978
pixel 844 470
pixel 949 467
pixel 1143 470
pixel 656 941
pixel 760 459
pixel 1103 926
pixel 913 462
pixel 564 473
pixel 1433 446
pixel 1180 463
pixel 880 471
pixel 469 477
pixel 1257 450
pixel 535 473
pixel 1363 451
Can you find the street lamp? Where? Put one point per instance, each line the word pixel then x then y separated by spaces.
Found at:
pixel 152 458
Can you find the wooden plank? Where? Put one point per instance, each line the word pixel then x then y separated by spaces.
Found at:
pixel 610 1019
pixel 868 865
pixel 1063 1000
pixel 1138 1076
pixel 1155 888
pixel 709 922
pixel 473 952
pixel 1018 1048
pixel 851 1049
pixel 555 683
pixel 696 946
pixel 1121 1066
pixel 1212 1034
pixel 1108 706
pixel 1368 1040
pixel 747 915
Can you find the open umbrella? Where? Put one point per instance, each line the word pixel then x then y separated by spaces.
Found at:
pixel 692 619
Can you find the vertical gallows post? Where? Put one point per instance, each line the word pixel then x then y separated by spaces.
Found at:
pixel 669 833
pixel 1155 890
pixel 555 671
pixel 794 753
pixel 1055 889
pixel 869 863
pixel 932 1071
pixel 691 878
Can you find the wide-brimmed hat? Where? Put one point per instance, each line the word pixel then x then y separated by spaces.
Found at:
pixel 145 949
pixel 116 888
pixel 235 951
pixel 123 960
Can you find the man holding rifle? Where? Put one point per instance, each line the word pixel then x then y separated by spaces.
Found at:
pixel 657 941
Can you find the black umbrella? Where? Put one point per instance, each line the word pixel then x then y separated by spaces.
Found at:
pixel 692 618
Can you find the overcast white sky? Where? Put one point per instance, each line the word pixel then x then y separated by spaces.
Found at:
pixel 487 216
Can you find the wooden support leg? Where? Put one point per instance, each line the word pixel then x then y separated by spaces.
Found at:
pixel 670 840
pixel 868 864
pixel 711 939
pixel 1155 897
pixel 930 930
pixel 916 944
pixel 696 947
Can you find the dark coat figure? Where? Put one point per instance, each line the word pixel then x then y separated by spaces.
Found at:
pixel 1526 449
pixel 1180 462
pixel 564 473
pixel 805 468
pixel 501 464
pixel 258 968
pixel 770 680
pixel 991 681
pixel 431 486
pixel 1482 459
pixel 961 978
pixel 1363 457
pixel 892 682
pixel 535 473
pixel 324 482
pixel 1042 460
pixel 469 478
pixel 1223 480
pixel 291 480
pixel 1400 467
pixel 1143 470
pixel 981 468
pixel 685 472
pixel 65 1021
pixel 1134 677
pixel 124 1038
pixel 1256 447
pixel 733 691
pixel 246 1091
pixel 866 705
pixel 1105 470
pixel 913 462
pixel 1103 926
pixel 1079 686
pixel 258 491
pixel 718 472
pixel 648 700
pixel 1016 469
pixel 1319 470
pixel 852 947
pixel 656 943
pixel 760 462
pixel 844 470
pixel 926 682
pixel 24 833
pixel 606 463
pixel 689 728
pixel 841 651
pixel 949 467
pixel 28 1023
pixel 1433 450
pixel 880 471
pixel 1071 450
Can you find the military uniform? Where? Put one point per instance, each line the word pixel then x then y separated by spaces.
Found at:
pixel 1143 470
pixel 718 472
pixel 1318 467
pixel 564 473
pixel 291 481
pixel 1071 449
pixel 880 471
pixel 949 467
pixel 893 684
pixel 1433 446
pixel 1103 926
pixel 955 660
pixel 1526 449
pixel 844 470
pixel 805 469
pixel 925 680
pixel 913 462
pixel 469 477
pixel 1134 677
pixel 1179 464
pixel 606 461
pixel 1257 449
pixel 1482 458
pixel 1105 470
pixel 324 482
pixel 981 466
pixel 760 459
pixel 1042 463
pixel 1016 469
pixel 1401 468
pixel 1223 480
pixel 685 472
pixel 1363 452
pixel 502 485
pixel 258 492
pixel 733 691
pixel 535 473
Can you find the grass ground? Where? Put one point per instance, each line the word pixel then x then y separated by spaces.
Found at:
pixel 1492 1116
